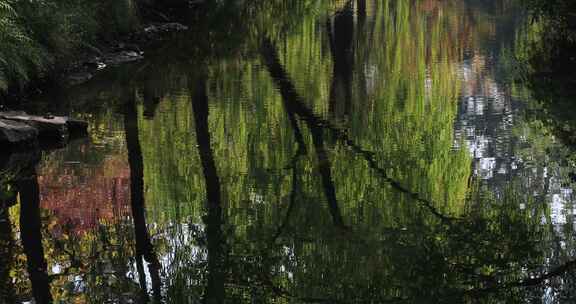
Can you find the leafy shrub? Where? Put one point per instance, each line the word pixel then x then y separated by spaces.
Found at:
pixel 559 14
pixel 35 35
pixel 20 55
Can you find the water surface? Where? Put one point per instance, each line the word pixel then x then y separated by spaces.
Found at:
pixel 309 152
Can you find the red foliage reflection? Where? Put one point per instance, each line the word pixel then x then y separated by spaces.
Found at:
pixel 81 197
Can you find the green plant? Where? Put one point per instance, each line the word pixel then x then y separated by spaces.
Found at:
pixel 19 54
pixel 36 36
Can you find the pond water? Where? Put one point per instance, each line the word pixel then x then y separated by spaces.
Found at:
pixel 304 152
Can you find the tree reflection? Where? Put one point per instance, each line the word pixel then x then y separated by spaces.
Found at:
pixel 144 248
pixel 416 230
pixel 341 36
pixel 293 104
pixel 31 237
pixel 215 292
pixel 449 249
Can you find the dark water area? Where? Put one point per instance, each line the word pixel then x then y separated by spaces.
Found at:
pixel 303 152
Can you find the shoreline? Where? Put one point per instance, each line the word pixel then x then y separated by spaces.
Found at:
pixel 91 60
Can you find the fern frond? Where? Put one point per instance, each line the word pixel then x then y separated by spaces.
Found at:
pixel 20 55
pixel 6 9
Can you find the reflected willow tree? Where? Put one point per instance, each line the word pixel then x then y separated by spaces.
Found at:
pixel 389 172
pixel 251 205
pixel 497 217
pixel 240 136
pixel 294 106
pixel 249 147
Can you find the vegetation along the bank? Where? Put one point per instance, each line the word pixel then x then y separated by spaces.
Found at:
pixel 39 37
pixel 550 63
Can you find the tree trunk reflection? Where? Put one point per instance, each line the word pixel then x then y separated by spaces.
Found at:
pixel 31 236
pixel 215 292
pixel 341 35
pixel 294 105
pixel 144 248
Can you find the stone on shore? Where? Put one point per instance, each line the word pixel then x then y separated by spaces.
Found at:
pixel 47 126
pixel 14 132
pixel 122 57
pixel 19 127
